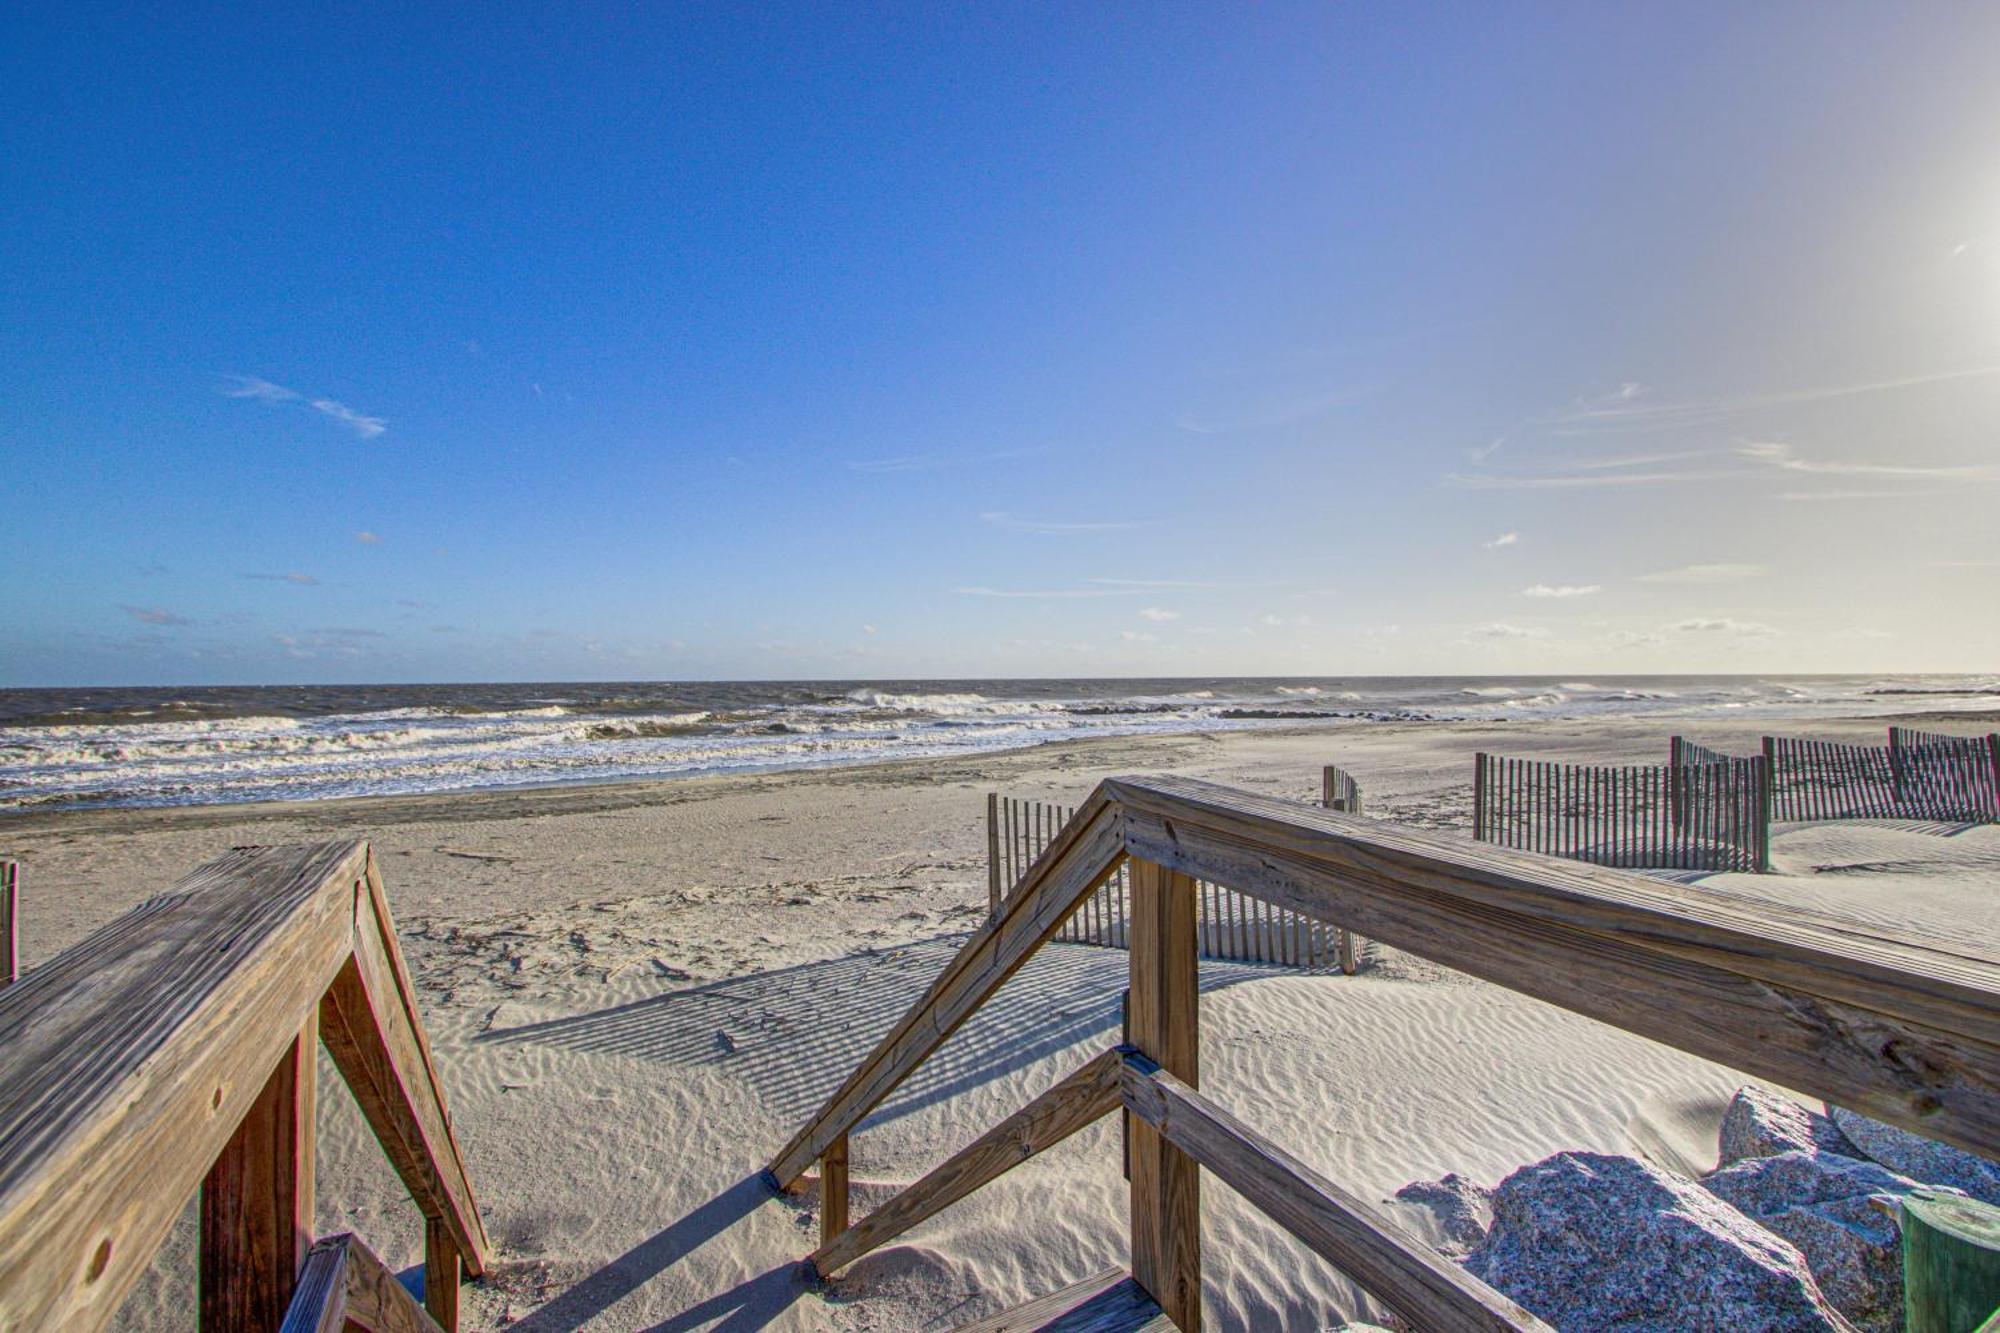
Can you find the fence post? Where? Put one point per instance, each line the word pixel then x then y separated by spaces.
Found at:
pixel 1479 796
pixel 992 853
pixel 1166 1182
pixel 1993 748
pixel 1770 778
pixel 833 1191
pixel 1898 784
pixel 1343 938
pixel 10 903
pixel 257 1201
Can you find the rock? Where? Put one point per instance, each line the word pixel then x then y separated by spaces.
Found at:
pixel 1924 1160
pixel 1457 1212
pixel 1761 1123
pixel 1826 1206
pixel 1592 1241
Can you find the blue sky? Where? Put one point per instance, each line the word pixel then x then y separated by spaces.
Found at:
pixel 689 341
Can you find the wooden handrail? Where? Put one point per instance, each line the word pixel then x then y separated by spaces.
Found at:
pixel 134 1060
pixel 1905 1030
pixel 345 1286
pixel 1086 854
pixel 1343 1229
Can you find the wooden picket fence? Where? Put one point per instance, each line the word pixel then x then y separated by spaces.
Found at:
pixel 1706 812
pixel 1230 925
pixel 1917 775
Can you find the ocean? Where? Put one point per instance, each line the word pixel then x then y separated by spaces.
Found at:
pixel 81 748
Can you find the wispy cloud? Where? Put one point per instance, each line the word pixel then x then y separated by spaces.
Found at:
pixel 153 615
pixel 931 462
pixel 249 386
pixel 367 538
pixel 295 578
pixel 1576 478
pixel 1562 590
pixel 264 391
pixel 1049 593
pixel 1722 625
pixel 1504 539
pixel 350 632
pixel 1046 528
pixel 1503 631
pixel 1703 411
pixel 1716 573
pixel 1772 453
pixel 1283 413
pixel 360 423
pixel 1159 614
pixel 1137 636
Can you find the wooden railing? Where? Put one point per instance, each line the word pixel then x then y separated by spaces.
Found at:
pixel 173 1052
pixel 1898 1030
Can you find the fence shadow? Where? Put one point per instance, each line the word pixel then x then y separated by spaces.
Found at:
pixel 793 1033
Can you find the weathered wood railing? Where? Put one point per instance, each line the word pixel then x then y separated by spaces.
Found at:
pixel 173 1051
pixel 1895 1029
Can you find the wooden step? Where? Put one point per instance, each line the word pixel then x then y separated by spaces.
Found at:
pixel 1111 1302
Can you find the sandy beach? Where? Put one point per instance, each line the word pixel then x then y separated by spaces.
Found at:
pixel 636 992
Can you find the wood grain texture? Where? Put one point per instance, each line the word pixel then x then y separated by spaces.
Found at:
pixel 442 1275
pixel 1075 1102
pixel 127 1062
pixel 833 1193
pixel 1905 1031
pixel 1428 1290
pixel 1110 1302
pixel 257 1201
pixel 10 921
pixel 1164 1025
pixel 1083 855
pixel 369 1023
pixel 344 1285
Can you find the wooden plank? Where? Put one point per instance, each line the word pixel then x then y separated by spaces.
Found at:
pixel 443 1274
pixel 1084 854
pixel 257 1201
pixel 1165 1026
pixel 10 919
pixel 1109 1302
pixel 369 1022
pixel 1341 1228
pixel 1903 1031
pixel 992 852
pixel 1075 1102
pixel 344 1285
pixel 126 1065
pixel 833 1192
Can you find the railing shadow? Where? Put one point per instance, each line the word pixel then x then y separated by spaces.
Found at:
pixel 793 1033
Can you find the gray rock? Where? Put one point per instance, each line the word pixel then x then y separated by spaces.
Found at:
pixel 1590 1241
pixel 1924 1160
pixel 1460 1210
pixel 1825 1205
pixel 1761 1123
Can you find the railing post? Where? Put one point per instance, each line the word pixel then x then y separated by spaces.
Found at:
pixel 257 1201
pixel 10 905
pixel 992 853
pixel 1166 1182
pixel 442 1274
pixel 833 1191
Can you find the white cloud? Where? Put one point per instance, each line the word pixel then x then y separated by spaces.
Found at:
pixel 249 386
pixel 1274 621
pixel 1137 636
pixel 1043 528
pixel 1721 625
pixel 1649 416
pixel 1501 630
pixel 1562 590
pixel 867 629
pixel 153 615
pixel 365 426
pixel 1504 539
pixel 367 538
pixel 1772 453
pixel 1156 613
pixel 1717 573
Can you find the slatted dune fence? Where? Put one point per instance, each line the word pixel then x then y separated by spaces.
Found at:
pixel 1230 925
pixel 1946 777
pixel 1705 815
pixel 1821 780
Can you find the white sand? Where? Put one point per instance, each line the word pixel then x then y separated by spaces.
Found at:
pixel 636 993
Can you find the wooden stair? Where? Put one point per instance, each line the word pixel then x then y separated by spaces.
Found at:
pixel 1111 1302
